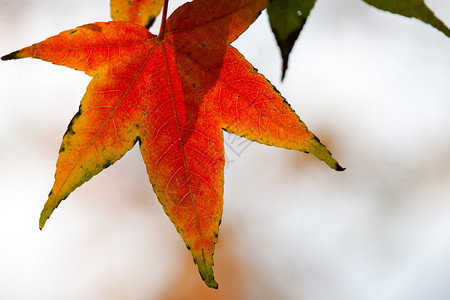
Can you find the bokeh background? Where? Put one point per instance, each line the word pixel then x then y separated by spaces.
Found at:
pixel 374 87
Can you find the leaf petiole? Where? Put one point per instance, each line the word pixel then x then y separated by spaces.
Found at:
pixel 162 30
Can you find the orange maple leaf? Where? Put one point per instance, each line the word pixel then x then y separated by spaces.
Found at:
pixel 174 93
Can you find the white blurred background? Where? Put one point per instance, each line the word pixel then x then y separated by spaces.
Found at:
pixel 374 87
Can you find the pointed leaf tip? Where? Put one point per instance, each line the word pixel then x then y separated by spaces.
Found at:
pixel 212 284
pixel 12 55
pixel 206 272
pixel 287 18
pixel 339 168
pixel 332 163
pixel 42 221
pixel 45 215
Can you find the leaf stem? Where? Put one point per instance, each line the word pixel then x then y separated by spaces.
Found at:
pixel 162 30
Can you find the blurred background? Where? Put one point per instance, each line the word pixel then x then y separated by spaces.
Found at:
pixel 374 87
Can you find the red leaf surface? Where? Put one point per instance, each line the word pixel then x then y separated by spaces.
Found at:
pixel 174 94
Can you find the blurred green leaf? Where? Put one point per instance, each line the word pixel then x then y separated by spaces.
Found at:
pixel 413 9
pixel 287 18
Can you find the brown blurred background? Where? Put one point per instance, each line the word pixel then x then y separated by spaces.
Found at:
pixel 375 89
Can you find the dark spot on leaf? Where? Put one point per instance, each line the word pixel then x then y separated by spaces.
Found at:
pixel 204 45
pixel 188 247
pixel 138 139
pixel 70 127
pixel 137 126
pixel 277 91
pixel 193 85
pixel 73 31
pixel 150 23
pixel 107 164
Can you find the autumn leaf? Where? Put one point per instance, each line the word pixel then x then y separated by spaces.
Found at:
pixel 287 18
pixel 174 94
pixel 413 9
pixel 142 12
